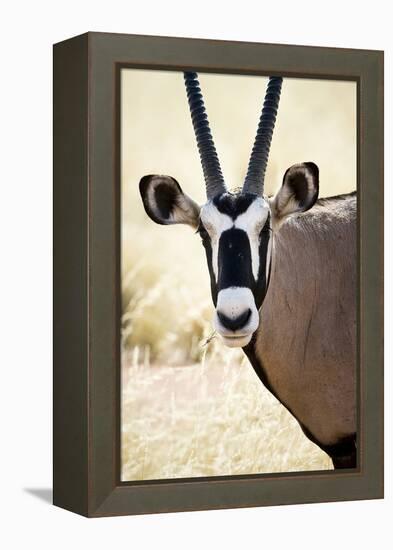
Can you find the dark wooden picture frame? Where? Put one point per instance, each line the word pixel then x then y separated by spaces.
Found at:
pixel 86 417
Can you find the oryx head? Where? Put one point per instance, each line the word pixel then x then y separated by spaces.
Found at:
pixel 236 228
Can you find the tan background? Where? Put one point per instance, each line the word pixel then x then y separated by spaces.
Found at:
pixel 191 408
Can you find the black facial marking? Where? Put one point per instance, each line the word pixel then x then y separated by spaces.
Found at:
pixel 234 324
pixel 234 260
pixel 209 257
pixel 262 286
pixel 233 204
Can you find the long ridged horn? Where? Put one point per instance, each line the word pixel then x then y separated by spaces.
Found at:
pixel 210 164
pixel 260 152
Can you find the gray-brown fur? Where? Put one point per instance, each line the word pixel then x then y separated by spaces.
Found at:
pixel 306 341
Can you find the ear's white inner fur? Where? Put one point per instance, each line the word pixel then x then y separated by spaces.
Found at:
pixel 185 210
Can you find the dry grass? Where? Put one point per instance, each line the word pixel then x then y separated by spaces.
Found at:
pixel 207 420
pixel 167 308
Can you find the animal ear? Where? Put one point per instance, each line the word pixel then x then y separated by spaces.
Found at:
pixel 299 190
pixel 165 203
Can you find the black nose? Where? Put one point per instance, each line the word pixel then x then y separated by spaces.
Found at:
pixel 237 322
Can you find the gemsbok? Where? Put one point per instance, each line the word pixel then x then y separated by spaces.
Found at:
pixel 283 276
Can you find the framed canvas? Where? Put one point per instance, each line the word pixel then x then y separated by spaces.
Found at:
pixel 239 363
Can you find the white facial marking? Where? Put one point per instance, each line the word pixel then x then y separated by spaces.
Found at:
pixel 233 302
pixel 215 223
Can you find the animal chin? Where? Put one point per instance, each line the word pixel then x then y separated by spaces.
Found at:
pixel 236 341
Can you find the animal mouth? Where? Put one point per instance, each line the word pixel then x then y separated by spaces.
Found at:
pixel 236 341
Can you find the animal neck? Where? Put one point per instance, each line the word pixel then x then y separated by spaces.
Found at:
pixel 306 339
pixel 308 248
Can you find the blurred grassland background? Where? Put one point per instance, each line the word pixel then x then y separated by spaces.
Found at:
pixel 190 406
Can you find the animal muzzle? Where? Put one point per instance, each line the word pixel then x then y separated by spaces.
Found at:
pixel 236 317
